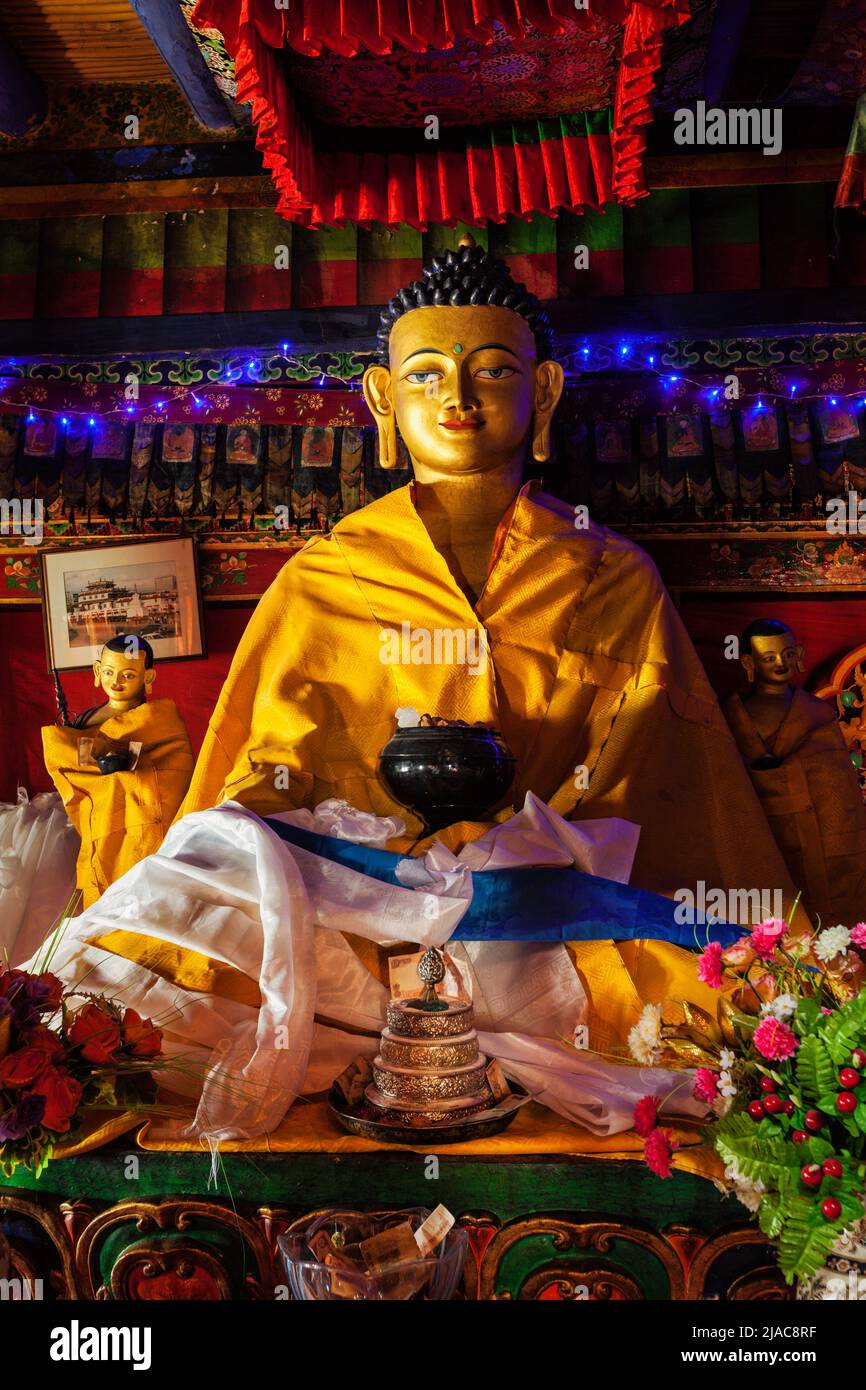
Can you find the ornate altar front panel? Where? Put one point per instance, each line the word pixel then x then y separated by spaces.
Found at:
pixel 130 1225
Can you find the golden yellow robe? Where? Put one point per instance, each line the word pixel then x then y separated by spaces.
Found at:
pixel 123 816
pixel 589 667
pixel 812 802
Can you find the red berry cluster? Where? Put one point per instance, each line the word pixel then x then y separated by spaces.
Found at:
pixel 813 1174
pixel 772 1103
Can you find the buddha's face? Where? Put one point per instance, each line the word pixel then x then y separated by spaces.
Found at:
pixel 124 679
pixel 465 388
pixel 772 662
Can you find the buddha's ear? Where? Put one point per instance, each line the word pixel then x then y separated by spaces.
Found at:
pixel 549 381
pixel 149 678
pixel 377 394
pixel 97 672
pixel 801 652
pixel 747 661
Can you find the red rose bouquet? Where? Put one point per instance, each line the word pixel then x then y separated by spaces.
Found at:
pixel 63 1051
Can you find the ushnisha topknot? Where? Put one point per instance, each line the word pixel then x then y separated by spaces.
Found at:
pixel 468 275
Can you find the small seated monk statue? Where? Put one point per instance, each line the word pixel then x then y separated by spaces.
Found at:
pixel 801 769
pixel 121 768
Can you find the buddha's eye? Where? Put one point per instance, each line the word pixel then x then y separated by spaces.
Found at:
pixel 495 373
pixel 422 378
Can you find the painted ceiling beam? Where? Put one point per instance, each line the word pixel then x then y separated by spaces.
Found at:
pixel 729 25
pixel 23 104
pixel 164 22
pixel 742 313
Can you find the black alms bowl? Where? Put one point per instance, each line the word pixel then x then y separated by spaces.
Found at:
pixel 447 774
pixel 114 762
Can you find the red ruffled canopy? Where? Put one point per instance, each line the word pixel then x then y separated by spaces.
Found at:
pixel 520 177
pixel 851 192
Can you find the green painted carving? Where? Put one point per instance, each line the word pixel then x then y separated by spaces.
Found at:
pixel 531 1254
pixel 228 1248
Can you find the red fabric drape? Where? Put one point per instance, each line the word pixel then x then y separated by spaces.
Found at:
pixel 349 27
pixel 851 192
pixel 443 187
pixel 645 28
pixel 469 185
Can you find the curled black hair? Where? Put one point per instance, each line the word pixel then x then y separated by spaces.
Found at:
pixel 762 627
pixel 468 275
pixel 131 645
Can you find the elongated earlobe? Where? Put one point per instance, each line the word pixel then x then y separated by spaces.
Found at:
pixel 386 433
pixel 549 381
pixel 377 394
pixel 541 442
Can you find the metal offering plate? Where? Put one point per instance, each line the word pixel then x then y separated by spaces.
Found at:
pixel 365 1120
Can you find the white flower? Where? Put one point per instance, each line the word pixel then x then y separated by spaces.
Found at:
pixel 649 1025
pixel 640 1048
pixel 727 1058
pixel 783 1007
pixel 645 1037
pixel 831 942
pixel 726 1084
pixel 748 1192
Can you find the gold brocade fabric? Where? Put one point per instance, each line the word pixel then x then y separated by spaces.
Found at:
pixel 123 816
pixel 98 1127
pixel 309 1127
pixel 189 969
pixel 812 802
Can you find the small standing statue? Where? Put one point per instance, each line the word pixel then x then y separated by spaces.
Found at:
pixel 122 767
pixel 801 769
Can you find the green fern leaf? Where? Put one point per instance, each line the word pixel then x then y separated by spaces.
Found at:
pixel 814 1068
pixel 843 1030
pixel 806 1239
pixel 771 1214
pixel 774 1162
pixel 807 1017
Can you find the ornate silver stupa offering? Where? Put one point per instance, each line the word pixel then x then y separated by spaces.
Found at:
pixel 429 1074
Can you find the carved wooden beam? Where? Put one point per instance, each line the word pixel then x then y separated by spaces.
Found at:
pixel 164 22
pixel 23 104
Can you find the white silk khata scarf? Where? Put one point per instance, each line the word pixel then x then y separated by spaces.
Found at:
pixel 231 941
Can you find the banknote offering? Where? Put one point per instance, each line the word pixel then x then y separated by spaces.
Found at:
pixel 405 984
pixel 497 1080
pixel 353 1081
pixel 389 1247
pixel 434 1230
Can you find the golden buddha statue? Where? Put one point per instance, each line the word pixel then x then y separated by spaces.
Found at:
pixel 588 671
pixel 122 784
pixel 802 771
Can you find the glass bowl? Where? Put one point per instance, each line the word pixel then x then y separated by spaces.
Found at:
pixel 434 1277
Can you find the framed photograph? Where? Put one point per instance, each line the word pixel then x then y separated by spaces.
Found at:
pixel 149 589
